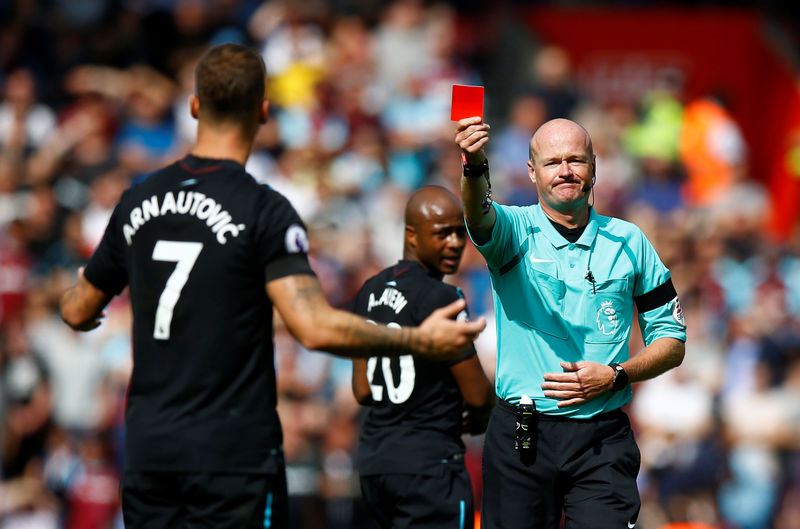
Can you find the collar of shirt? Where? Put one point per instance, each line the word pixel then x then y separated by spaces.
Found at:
pixel 556 239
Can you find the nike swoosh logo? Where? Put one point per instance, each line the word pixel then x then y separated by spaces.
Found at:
pixel 631 525
pixel 535 260
pixel 391 283
pixel 189 182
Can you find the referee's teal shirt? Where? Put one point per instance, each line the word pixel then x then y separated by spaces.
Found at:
pixel 547 311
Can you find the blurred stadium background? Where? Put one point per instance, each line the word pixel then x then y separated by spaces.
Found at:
pixel 694 108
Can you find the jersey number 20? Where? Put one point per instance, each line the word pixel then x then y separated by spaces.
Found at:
pixel 402 391
pixel 184 254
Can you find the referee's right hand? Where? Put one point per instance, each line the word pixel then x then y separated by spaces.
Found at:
pixel 471 136
pixel 443 337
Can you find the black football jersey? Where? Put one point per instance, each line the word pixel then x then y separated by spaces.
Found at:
pixel 196 242
pixel 415 419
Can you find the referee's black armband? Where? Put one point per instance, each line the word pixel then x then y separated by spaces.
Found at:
pixel 296 263
pixel 659 296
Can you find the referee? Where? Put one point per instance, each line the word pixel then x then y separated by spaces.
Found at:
pixel 207 253
pixel 565 283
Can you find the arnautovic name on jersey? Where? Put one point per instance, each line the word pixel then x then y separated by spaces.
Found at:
pixel 191 203
pixel 391 297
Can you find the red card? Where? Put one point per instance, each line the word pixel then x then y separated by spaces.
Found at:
pixel 467 102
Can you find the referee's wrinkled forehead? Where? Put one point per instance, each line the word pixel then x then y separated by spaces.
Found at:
pixel 558 128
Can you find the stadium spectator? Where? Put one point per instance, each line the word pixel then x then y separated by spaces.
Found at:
pixel 25 123
pixel 713 150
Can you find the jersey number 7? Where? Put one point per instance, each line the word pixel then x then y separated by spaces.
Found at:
pixel 184 254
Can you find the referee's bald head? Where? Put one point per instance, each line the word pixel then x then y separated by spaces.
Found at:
pixel 556 128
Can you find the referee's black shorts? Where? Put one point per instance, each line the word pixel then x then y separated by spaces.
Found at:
pixel 585 468
pixel 169 500
pixel 415 501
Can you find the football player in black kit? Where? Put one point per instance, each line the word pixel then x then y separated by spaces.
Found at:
pixel 207 253
pixel 411 456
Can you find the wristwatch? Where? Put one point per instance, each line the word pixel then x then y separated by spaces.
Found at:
pixel 620 379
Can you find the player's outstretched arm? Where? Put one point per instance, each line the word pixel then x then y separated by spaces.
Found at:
pixel 82 304
pixel 318 326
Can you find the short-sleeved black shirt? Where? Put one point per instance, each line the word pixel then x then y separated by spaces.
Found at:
pixel 415 419
pixel 196 242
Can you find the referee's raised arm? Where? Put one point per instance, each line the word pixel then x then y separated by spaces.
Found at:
pixel 471 136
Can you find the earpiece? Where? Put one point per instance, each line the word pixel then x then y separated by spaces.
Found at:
pixel 589 187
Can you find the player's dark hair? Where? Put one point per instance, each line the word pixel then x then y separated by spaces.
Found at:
pixel 230 81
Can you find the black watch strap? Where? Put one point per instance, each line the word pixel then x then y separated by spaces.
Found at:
pixel 478 171
pixel 474 171
pixel 620 380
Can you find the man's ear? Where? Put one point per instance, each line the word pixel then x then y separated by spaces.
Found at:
pixel 411 236
pixel 194 106
pixel 531 172
pixel 263 112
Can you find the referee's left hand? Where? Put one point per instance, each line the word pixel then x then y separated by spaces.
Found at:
pixel 580 382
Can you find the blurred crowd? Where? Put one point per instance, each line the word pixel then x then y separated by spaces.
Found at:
pixel 94 96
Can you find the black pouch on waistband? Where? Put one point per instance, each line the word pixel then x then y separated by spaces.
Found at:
pixel 525 430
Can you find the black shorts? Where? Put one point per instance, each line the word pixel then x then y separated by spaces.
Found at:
pixel 399 501
pixel 169 500
pixel 584 468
